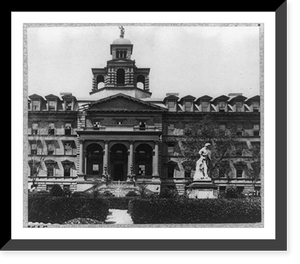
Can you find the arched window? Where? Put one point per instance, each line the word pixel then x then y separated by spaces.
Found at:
pixel 140 81
pixel 100 81
pixel 120 77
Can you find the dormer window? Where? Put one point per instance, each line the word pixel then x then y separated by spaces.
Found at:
pixel 205 107
pixel 51 105
pixel 36 105
pixel 222 106
pixel 68 105
pixel 239 106
pixel 255 106
pixel 171 105
pixel 188 106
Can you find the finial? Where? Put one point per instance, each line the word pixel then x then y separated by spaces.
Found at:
pixel 122 33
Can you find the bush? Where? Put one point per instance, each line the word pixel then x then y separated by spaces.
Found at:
pixel 232 192
pixel 107 194
pixel 56 191
pixel 61 209
pixel 131 194
pixel 119 202
pixel 195 210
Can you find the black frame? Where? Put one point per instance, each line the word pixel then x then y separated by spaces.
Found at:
pixel 279 243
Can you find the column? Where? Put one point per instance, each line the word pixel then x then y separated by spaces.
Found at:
pixel 155 161
pixel 105 158
pixel 80 157
pixel 130 159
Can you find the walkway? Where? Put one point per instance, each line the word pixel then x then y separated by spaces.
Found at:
pixel 118 217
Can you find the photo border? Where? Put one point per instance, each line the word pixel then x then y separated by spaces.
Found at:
pixel 279 243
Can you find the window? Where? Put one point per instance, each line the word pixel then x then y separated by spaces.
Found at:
pixel 34 130
pixel 120 77
pixel 142 169
pixel 67 169
pixel 171 148
pixel 51 129
pixel 68 129
pixel 33 148
pixel 52 106
pixel 142 125
pixel 239 171
pixel 33 169
pixel 205 106
pixel 188 106
pixel 222 106
pixel 239 129
pixel 255 106
pixel 68 148
pixel 96 125
pixel 36 105
pixel 69 105
pixel 256 130
pixel 119 122
pixel 171 105
pixel 239 106
pixel 50 169
pixel 171 168
pixel 50 148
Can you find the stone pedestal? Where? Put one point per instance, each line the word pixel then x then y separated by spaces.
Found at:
pixel 202 189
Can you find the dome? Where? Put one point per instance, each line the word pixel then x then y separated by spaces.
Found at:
pixel 121 41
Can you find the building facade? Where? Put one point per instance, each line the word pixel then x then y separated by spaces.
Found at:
pixel 122 136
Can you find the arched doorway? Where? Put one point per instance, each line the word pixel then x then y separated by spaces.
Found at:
pixel 94 164
pixel 118 161
pixel 143 160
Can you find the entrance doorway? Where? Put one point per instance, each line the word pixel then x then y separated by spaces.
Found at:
pixel 94 154
pixel 119 172
pixel 118 160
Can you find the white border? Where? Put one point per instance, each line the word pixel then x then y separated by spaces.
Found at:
pixel 18 232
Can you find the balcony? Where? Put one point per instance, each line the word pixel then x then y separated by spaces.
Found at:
pixel 122 128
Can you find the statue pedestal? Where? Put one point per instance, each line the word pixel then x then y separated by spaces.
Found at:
pixel 202 189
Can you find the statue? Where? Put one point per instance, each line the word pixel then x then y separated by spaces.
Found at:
pixel 201 164
pixel 122 33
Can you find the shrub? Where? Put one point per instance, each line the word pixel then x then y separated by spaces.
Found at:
pixel 119 202
pixel 232 192
pixel 107 194
pixel 195 211
pixel 61 209
pixel 131 194
pixel 57 191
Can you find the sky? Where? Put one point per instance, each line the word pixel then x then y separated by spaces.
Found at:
pixel 186 59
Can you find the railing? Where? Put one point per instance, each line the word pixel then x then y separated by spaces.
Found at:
pixel 122 128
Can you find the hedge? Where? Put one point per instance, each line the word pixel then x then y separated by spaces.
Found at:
pixel 49 209
pixel 157 211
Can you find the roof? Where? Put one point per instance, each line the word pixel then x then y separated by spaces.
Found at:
pixel 222 97
pixel 187 97
pixel 237 98
pixel 254 98
pixel 121 41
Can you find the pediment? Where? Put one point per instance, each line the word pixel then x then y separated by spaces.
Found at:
pixel 122 102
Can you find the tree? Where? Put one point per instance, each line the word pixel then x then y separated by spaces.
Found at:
pixel 39 151
pixel 223 140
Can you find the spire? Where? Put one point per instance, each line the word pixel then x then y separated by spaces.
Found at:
pixel 122 31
